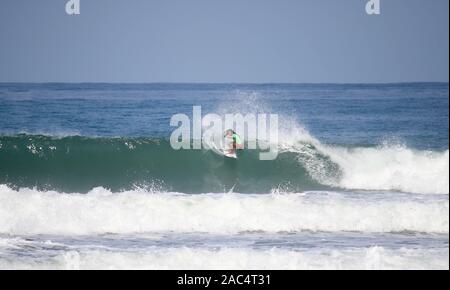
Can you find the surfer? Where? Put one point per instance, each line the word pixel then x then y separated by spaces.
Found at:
pixel 235 141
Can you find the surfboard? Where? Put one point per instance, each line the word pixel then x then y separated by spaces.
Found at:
pixel 224 151
pixel 229 154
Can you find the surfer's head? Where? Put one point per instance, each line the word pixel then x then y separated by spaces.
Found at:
pixel 229 132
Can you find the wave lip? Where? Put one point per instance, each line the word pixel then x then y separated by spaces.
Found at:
pixel 100 211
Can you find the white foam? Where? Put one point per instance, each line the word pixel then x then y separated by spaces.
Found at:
pixel 387 167
pixel 393 168
pixel 32 212
pixel 239 258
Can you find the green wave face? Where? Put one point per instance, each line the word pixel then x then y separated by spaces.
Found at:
pixel 78 164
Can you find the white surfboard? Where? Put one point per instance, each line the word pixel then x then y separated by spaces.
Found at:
pixel 229 154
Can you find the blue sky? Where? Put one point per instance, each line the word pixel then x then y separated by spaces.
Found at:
pixel 224 41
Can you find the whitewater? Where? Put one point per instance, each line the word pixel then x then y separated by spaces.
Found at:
pixel 101 211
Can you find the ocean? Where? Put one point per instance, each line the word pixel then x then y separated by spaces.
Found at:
pixel 89 180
